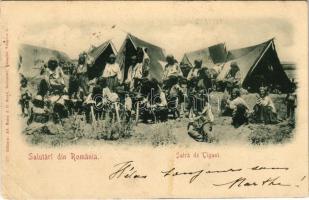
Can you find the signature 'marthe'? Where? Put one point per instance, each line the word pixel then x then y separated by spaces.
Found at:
pixel 244 182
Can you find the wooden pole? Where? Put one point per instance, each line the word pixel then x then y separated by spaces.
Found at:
pixel 137 113
pixel 117 111
pixel 92 115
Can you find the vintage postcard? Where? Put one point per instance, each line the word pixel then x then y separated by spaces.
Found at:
pixel 154 99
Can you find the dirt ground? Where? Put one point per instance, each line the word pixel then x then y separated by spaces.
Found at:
pixel 172 132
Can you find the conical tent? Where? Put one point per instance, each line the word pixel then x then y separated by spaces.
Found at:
pixel 129 49
pixel 32 58
pixel 100 55
pixel 259 66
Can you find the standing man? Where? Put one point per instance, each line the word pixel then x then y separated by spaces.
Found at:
pixel 81 73
pixel 171 69
pixel 55 76
pixel 135 73
pixel 112 73
pixel 194 74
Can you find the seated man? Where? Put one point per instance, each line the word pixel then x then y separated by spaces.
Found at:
pixel 200 127
pixel 233 78
pixel 94 105
pixel 161 110
pixel 175 97
pixel 264 109
pixel 239 109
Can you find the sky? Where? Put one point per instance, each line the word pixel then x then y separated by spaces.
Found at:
pixel 175 33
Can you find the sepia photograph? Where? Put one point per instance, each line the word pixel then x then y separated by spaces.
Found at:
pixel 154 84
pixel 154 99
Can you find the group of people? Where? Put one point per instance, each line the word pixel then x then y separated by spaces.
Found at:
pixel 122 94
pixel 264 110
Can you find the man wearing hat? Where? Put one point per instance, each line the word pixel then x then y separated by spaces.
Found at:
pixel 112 73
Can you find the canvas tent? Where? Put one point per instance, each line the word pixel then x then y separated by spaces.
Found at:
pixel 129 49
pixel 100 55
pixel 259 66
pixel 210 56
pixel 32 58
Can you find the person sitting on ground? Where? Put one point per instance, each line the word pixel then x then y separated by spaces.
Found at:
pixel 200 127
pixel 175 97
pixel 94 104
pixel 100 99
pixel 233 78
pixel 160 107
pixel 112 73
pixel 108 95
pixel 264 109
pixel 60 110
pixel 39 112
pixel 239 109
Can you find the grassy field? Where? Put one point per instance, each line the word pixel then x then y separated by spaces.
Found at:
pixel 76 131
